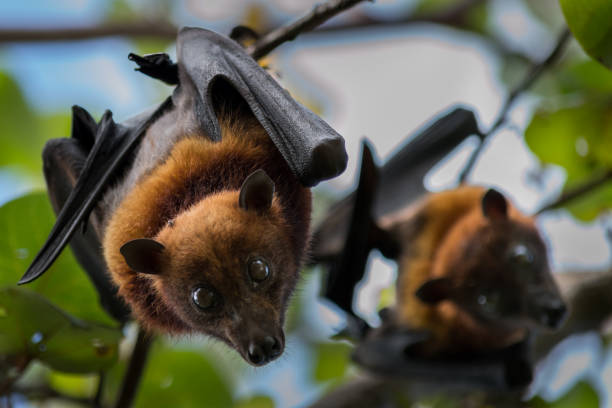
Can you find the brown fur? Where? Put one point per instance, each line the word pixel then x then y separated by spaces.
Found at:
pixel 438 231
pixel 196 188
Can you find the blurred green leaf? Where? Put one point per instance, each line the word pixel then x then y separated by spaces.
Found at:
pixel 387 297
pixel 331 361
pixel 579 139
pixel 123 10
pixel 586 76
pixel 432 6
pixel 258 401
pixel 32 326
pixel 24 133
pixel 178 378
pixel 150 45
pixel 581 395
pixel 26 223
pixel 79 386
pixel 591 24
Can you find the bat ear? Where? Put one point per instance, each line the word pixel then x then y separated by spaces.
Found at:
pixel 435 290
pixel 494 205
pixel 256 192
pixel 143 255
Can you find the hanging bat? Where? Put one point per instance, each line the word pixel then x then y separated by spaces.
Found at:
pixel 197 213
pixel 473 281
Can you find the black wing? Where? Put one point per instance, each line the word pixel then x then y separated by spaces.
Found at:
pixel 113 144
pixel 64 160
pixel 393 354
pixel 401 183
pixel 313 150
pixel 363 234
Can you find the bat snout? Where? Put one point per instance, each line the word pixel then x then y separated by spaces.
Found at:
pixel 261 351
pixel 550 311
pixel 554 315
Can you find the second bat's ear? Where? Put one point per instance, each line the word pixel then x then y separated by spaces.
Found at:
pixel 435 290
pixel 143 255
pixel 256 192
pixel 494 205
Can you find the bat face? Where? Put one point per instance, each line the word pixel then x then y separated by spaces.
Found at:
pixel 224 268
pixel 512 285
pixel 500 273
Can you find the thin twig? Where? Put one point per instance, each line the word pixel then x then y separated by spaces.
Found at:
pixel 317 16
pixel 97 399
pixel 578 191
pixel 133 374
pixel 19 364
pixel 532 75
pixel 454 16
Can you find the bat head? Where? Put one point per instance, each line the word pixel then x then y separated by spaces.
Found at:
pixel 224 267
pixel 499 272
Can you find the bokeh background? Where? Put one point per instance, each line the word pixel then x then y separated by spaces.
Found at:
pixel 381 70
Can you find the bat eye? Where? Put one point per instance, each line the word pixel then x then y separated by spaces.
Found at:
pixel 489 302
pixel 521 256
pixel 258 270
pixel 204 298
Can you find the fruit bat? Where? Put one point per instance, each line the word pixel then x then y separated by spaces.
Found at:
pixel 403 346
pixel 228 155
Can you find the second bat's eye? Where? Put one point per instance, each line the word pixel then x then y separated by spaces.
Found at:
pixel 521 256
pixel 258 270
pixel 204 298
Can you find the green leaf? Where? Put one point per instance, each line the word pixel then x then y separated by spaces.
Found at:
pixel 579 139
pixel 78 386
pixel 591 24
pixel 26 222
pixel 432 6
pixel 258 401
pixel 178 378
pixel 23 133
pixel 581 395
pixel 331 361
pixel 586 76
pixel 32 326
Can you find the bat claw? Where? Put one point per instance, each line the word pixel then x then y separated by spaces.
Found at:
pixel 158 66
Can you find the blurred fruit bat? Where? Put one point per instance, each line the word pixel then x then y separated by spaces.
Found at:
pixel 229 143
pixel 466 246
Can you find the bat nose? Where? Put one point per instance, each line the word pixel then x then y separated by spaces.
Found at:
pixel 262 351
pixel 554 315
pixel 548 308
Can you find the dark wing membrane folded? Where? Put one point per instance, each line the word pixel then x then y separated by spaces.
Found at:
pixel 114 143
pixel 313 150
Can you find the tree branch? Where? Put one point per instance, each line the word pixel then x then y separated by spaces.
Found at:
pixel 309 21
pixel 578 191
pixel 532 75
pixel 158 29
pixel 454 16
pixel 133 374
